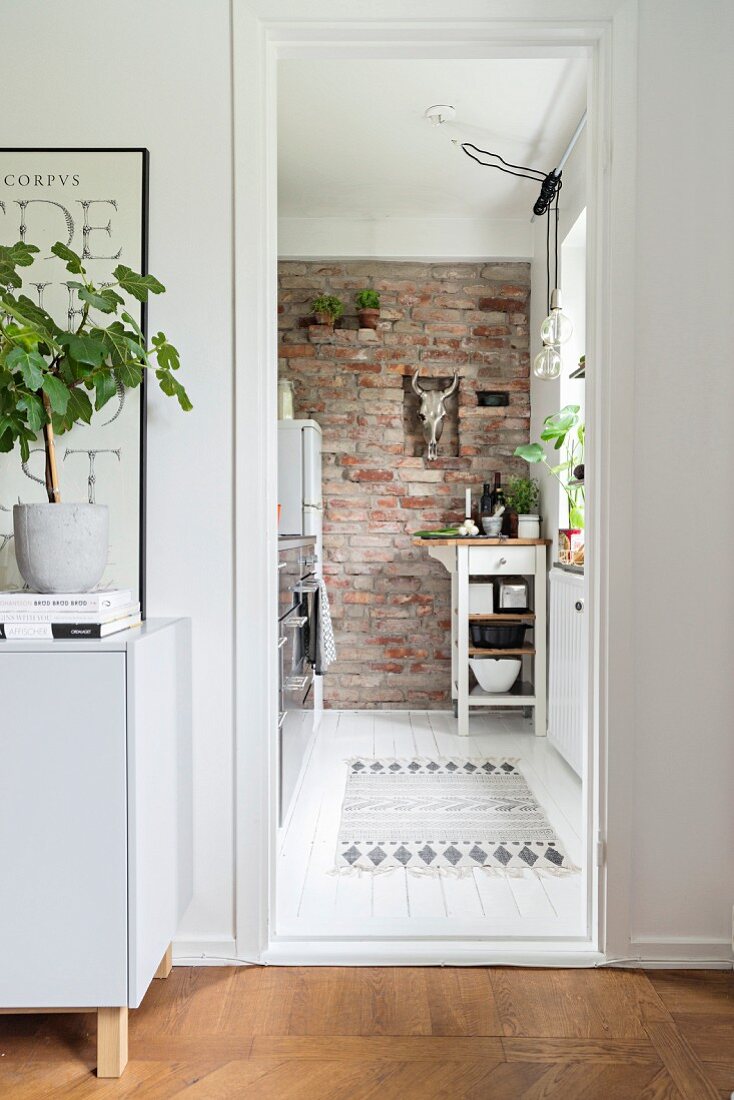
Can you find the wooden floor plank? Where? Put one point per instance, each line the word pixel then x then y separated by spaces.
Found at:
pixel 568 1003
pixel 327 1033
pixel 400 1048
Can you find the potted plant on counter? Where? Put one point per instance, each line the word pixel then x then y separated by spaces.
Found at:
pixel 327 309
pixel 522 495
pixel 565 430
pixel 53 377
pixel 368 308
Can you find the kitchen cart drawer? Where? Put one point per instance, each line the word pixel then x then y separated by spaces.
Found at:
pixel 490 560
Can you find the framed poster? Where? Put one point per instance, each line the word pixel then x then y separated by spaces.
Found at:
pixel 96 202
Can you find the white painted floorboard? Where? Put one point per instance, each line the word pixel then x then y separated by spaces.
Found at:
pixel 313 903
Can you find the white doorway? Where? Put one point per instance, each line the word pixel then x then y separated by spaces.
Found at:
pixel 257 830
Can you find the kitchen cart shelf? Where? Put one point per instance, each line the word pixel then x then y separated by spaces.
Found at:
pixel 517 651
pixel 521 695
pixel 504 617
pixel 474 558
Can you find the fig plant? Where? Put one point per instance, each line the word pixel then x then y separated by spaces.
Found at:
pixel 52 377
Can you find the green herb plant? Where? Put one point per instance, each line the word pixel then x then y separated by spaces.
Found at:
pixel 330 306
pixel 367 299
pixel 565 430
pixel 52 378
pixel 522 495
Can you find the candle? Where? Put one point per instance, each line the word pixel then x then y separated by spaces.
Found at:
pixel 467 513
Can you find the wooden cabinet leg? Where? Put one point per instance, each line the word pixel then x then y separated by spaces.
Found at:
pixel 164 966
pixel 111 1041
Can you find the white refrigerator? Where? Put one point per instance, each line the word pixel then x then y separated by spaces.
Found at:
pixel 299 480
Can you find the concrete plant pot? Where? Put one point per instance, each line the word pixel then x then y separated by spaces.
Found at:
pixel 61 547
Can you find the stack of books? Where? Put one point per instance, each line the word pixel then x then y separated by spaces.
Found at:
pixel 30 615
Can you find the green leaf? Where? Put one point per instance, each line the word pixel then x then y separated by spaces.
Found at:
pixel 105 300
pixel 35 412
pixel 531 452
pixel 105 386
pixel 30 364
pixel 8 276
pixel 73 262
pixel 130 374
pixel 7 441
pixel 57 393
pixel 32 317
pixel 575 516
pixel 84 348
pixel 15 255
pixel 79 407
pixel 137 285
pixel 20 253
pixel 124 353
pixel 166 354
pixel 173 388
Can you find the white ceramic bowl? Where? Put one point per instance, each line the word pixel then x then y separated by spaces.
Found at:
pixel 495 674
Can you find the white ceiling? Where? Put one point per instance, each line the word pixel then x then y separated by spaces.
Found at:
pixel 353 142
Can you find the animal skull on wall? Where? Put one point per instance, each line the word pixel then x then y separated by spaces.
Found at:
pixel 432 412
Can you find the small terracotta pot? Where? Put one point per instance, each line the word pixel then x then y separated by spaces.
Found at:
pixel 368 318
pixel 324 320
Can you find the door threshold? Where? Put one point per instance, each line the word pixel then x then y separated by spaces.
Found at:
pixel 344 952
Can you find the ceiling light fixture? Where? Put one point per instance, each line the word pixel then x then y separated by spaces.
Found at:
pixel 440 113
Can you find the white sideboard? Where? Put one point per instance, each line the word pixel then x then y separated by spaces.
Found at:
pixel 95 822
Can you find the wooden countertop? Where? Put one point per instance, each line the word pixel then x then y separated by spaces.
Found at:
pixel 481 540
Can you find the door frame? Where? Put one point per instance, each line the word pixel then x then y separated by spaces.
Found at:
pixel 265 31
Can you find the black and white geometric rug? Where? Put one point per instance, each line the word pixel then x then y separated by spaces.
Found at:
pixel 447 816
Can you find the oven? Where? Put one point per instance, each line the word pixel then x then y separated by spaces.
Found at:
pixel 298 593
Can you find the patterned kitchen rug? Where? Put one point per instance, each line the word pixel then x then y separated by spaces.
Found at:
pixel 445 816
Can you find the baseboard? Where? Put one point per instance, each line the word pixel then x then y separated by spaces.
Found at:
pixel 430 953
pixel 205 951
pixel 678 953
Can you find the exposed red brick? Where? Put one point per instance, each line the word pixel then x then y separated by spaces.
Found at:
pixel 390 600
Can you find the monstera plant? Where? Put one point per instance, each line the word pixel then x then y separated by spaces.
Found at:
pixel 52 378
pixel 565 430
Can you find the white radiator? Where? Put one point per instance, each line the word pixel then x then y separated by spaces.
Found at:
pixel 567 667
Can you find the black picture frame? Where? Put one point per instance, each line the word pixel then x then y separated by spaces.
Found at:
pixel 144 154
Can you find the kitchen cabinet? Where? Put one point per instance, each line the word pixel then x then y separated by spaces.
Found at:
pixel 95 822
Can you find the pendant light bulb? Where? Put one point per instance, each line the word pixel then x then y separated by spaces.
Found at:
pixel 557 328
pixel 547 363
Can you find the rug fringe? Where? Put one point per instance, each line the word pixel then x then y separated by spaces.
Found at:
pixel 438 759
pixel 459 872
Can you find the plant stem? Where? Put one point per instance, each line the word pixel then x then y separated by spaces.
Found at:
pixel 52 476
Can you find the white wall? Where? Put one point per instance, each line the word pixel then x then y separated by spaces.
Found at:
pixel 154 73
pixel 405 238
pixel 683 525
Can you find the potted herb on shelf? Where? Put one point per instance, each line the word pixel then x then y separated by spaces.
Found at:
pixel 368 308
pixel 53 377
pixel 565 430
pixel 327 309
pixel 522 495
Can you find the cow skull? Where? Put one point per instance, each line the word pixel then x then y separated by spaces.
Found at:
pixel 432 411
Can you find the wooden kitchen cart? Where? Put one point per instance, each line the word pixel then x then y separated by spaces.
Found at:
pixel 481 558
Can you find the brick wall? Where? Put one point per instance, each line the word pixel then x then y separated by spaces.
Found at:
pixel 390 602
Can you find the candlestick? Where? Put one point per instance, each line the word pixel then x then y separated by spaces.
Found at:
pixel 467 512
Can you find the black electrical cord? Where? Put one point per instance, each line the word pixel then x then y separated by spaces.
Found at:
pixel 521 170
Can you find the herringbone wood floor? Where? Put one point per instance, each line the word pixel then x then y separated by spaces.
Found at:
pixel 328 1034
